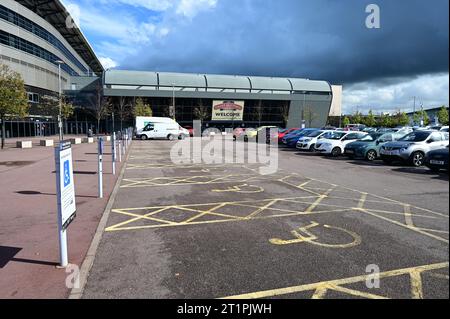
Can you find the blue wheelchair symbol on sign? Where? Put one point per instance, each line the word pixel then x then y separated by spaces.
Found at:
pixel 66 173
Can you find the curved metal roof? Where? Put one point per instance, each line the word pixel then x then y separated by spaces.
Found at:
pixel 56 14
pixel 132 78
pixel 182 79
pixel 228 81
pixel 278 84
pixel 162 79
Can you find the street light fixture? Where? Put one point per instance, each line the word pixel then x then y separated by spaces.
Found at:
pixel 173 102
pixel 59 62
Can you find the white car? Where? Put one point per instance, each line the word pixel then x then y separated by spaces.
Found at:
pixel 444 129
pixel 333 143
pixel 307 143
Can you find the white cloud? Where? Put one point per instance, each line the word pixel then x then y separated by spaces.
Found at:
pixel 431 90
pixel 190 8
pixel 154 5
pixel 108 63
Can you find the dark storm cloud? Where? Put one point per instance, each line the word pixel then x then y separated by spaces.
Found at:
pixel 320 39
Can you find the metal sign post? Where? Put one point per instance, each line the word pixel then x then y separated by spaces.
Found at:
pixel 100 167
pixel 113 152
pixel 65 195
pixel 120 150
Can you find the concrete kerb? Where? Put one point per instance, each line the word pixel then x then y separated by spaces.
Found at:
pixel 77 293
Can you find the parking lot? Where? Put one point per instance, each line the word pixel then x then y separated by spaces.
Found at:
pixel 317 228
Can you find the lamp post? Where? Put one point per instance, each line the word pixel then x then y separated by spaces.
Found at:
pixel 173 101
pixel 59 62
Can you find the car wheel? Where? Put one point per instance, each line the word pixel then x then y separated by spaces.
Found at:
pixel 371 155
pixel 336 152
pixel 144 137
pixel 182 137
pixel 170 137
pixel 417 159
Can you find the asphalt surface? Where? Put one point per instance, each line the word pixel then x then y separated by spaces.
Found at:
pixel 317 227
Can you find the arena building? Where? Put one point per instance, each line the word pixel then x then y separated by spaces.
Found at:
pixel 38 39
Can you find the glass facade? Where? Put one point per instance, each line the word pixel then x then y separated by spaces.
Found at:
pixel 24 23
pixel 31 48
pixel 256 112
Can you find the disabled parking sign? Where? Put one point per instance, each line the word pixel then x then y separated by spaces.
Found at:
pixel 64 184
pixel 66 173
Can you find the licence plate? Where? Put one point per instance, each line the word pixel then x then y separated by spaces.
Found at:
pixel 350 151
pixel 392 152
pixel 436 162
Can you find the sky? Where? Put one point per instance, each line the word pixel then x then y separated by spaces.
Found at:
pixel 382 69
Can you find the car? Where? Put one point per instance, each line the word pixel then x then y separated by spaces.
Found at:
pixel 308 142
pixel 444 129
pixel 292 139
pixel 333 143
pixel 437 159
pixel 148 128
pixel 355 127
pixel 283 133
pixel 369 146
pixel 413 147
pixel 190 130
pixel 253 133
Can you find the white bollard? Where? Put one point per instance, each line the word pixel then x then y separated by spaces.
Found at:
pixel 113 152
pixel 100 167
pixel 120 151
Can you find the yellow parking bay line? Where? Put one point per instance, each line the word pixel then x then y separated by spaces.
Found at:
pixel 319 289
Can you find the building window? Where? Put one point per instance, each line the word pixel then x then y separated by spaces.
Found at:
pixel 26 24
pixel 33 97
pixel 31 48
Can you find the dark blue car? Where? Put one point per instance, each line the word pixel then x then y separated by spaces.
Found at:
pixel 291 140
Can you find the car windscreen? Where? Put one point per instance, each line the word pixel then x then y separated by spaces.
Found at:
pixel 334 135
pixel 314 134
pixel 370 137
pixel 415 137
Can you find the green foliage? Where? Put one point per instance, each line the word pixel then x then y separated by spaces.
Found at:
pixel 49 105
pixel 357 118
pixel 370 120
pixel 443 115
pixel 419 116
pixel 400 119
pixel 142 109
pixel 13 97
pixel 346 121
pixel 385 120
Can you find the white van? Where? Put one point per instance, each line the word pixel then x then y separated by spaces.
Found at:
pixel 159 128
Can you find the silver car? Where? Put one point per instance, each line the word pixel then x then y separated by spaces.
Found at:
pixel 413 147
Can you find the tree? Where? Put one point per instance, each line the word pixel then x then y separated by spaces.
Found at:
pixel 142 109
pixel 13 97
pixel 370 120
pixel 122 110
pixel 346 121
pixel 258 112
pixel 385 120
pixel 201 112
pixel 309 116
pixel 285 113
pixel 443 115
pixel 101 105
pixel 400 119
pixel 357 117
pixel 49 105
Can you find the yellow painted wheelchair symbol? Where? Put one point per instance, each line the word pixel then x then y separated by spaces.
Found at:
pixel 244 188
pixel 303 235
